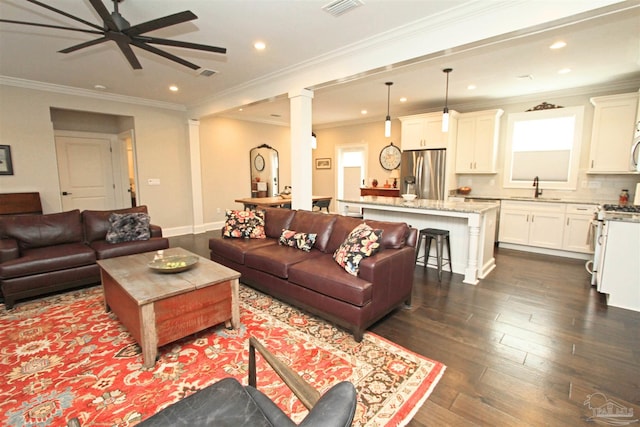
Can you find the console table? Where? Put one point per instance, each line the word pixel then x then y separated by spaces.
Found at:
pixel 379 191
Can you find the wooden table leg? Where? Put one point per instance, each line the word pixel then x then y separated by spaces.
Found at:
pixel 235 303
pixel 149 339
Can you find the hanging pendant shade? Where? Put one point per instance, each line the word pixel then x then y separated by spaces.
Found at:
pixel 387 122
pixel 445 112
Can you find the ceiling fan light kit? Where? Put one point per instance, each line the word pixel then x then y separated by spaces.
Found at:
pixel 117 29
pixel 445 112
pixel 387 122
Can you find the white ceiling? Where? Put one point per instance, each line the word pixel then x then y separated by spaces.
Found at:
pixel 603 50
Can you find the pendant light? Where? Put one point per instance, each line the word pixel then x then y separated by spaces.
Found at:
pixel 387 122
pixel 445 112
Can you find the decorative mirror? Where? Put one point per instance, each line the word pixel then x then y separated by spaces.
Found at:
pixel 264 171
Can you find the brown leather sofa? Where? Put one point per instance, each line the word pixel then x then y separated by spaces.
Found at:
pixel 313 280
pixel 40 254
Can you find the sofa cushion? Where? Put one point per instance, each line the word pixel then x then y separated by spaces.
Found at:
pixel 244 224
pixel 341 229
pixel 361 243
pixel 277 259
pixel 105 250
pixel 314 222
pixel 276 220
pixel 96 223
pixel 128 227
pixel 35 231
pixel 394 234
pixel 325 276
pixel 47 259
pixel 235 249
pixel 297 240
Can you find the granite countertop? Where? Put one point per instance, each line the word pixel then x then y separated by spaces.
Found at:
pixel 424 204
pixel 540 199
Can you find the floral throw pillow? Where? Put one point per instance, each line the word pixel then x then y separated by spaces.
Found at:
pixel 128 227
pixel 296 240
pixel 362 242
pixel 244 224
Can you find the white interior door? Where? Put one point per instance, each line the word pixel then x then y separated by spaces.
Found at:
pixel 351 186
pixel 85 171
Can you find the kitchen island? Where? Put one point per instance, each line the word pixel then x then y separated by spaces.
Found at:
pixel 471 227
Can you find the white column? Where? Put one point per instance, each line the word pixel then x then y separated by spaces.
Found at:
pixel 196 176
pixel 301 172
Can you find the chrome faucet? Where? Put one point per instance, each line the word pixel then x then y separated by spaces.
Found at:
pixel 536 183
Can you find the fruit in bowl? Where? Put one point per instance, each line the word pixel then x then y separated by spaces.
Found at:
pixel 408 197
pixel 464 190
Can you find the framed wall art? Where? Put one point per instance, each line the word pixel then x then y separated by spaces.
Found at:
pixel 6 167
pixel 324 163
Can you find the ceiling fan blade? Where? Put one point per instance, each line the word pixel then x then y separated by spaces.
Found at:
pixel 59 27
pixel 83 45
pixel 123 43
pixel 104 14
pixel 178 43
pixel 155 24
pixel 75 18
pixel 164 54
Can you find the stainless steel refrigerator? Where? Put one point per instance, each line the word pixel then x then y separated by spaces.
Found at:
pixel 422 172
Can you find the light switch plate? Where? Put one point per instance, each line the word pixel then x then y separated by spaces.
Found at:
pixel 153 181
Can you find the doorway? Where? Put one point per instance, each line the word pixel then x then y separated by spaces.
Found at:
pixel 352 172
pixel 96 155
pixel 93 171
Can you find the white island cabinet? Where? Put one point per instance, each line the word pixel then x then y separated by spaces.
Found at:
pixel 471 227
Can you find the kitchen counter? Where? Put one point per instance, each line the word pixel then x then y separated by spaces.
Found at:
pixel 471 227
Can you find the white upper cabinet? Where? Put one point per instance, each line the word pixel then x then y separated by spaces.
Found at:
pixel 477 141
pixel 614 122
pixel 424 131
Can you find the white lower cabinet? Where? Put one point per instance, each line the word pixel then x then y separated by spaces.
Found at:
pixel 577 226
pixel 546 225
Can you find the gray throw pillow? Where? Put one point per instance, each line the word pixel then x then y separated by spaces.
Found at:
pixel 128 227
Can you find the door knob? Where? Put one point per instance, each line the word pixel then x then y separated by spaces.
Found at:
pixel 64 193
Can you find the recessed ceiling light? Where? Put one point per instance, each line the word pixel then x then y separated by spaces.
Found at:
pixel 564 71
pixel 240 109
pixel 363 112
pixel 403 99
pixel 173 88
pixel 99 87
pixel 471 87
pixel 259 45
pixel 558 45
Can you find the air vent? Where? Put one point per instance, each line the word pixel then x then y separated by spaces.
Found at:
pixel 207 73
pixel 339 7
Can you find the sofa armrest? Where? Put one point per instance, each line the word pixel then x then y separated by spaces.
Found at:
pixel 156 230
pixel 9 250
pixel 390 271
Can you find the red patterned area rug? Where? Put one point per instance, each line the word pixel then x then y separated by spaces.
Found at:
pixel 64 357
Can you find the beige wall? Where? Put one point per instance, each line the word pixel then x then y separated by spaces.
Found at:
pixel 370 134
pixel 224 156
pixel 162 150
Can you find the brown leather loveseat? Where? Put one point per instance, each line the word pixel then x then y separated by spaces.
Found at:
pixel 47 253
pixel 313 280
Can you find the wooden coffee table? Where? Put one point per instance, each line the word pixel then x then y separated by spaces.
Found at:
pixel 159 308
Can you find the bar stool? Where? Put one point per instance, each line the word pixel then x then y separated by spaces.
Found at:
pixel 440 236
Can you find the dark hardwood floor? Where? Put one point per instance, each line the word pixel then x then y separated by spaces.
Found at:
pixel 526 346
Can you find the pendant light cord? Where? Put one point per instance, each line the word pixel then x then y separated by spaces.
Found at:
pixel 388 98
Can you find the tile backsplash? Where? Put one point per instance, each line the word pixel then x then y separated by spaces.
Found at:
pixel 591 187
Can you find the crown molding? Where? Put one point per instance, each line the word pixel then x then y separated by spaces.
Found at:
pixel 102 96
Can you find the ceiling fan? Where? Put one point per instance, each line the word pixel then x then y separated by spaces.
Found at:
pixel 118 29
